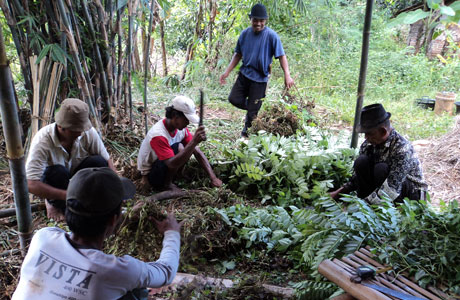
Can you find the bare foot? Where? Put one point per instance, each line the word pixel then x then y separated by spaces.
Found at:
pixel 172 187
pixel 54 212
pixel 216 182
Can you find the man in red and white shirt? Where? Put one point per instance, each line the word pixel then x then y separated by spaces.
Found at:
pixel 169 145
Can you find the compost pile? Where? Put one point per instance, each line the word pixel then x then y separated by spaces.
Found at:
pixel 204 235
pixel 441 165
pixel 278 120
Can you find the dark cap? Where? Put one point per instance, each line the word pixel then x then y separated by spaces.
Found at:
pixel 259 11
pixel 73 115
pixel 371 117
pixel 98 191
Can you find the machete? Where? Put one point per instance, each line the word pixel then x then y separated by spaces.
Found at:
pixel 391 292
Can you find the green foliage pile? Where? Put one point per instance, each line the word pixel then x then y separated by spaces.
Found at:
pixel 411 238
pixel 287 170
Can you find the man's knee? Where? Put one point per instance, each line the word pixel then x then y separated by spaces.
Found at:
pixel 94 161
pixel 361 164
pixel 56 176
pixel 381 171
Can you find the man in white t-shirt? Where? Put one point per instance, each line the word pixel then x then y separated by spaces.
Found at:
pixel 59 150
pixel 169 145
pixel 71 265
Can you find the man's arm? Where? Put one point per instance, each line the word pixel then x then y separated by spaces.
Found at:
pixel 45 191
pixel 288 81
pixel 204 163
pixel 182 157
pixel 233 63
pixel 111 166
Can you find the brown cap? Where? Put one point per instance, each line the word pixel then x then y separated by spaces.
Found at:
pixel 73 115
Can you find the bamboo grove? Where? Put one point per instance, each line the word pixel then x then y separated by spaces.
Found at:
pixel 89 49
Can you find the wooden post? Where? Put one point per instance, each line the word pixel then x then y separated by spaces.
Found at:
pixel 362 71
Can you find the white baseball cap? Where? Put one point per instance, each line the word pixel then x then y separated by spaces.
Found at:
pixel 185 105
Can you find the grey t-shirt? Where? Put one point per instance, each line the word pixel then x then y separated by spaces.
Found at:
pixel 54 269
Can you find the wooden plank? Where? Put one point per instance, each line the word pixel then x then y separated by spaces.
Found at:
pixel 405 281
pixel 340 277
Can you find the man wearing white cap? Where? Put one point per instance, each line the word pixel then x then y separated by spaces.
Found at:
pixel 169 145
pixel 61 149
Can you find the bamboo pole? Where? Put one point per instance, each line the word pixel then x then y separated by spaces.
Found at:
pixel 99 64
pixel 337 275
pixel 146 65
pixel 15 151
pixel 82 83
pixel 9 212
pixel 80 47
pixel 19 47
pixel 362 71
pixel 163 47
pixel 130 59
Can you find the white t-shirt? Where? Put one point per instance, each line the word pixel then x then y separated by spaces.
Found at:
pixel 46 150
pixel 147 155
pixel 54 269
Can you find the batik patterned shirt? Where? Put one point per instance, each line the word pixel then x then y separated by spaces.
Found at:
pixel 403 162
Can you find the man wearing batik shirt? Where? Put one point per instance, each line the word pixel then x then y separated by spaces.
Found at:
pixel 387 165
pixel 169 145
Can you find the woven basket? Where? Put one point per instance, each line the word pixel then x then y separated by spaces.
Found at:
pixel 444 103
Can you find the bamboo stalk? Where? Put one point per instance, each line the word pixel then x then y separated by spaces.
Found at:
pixel 130 47
pixel 15 151
pixel 82 83
pixel 146 66
pixel 362 71
pixel 19 48
pixel 335 274
pixel 99 64
pixel 86 73
pixel 9 212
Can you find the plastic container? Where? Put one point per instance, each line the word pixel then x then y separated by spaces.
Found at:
pixel 425 102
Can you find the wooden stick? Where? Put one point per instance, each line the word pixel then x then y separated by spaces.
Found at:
pixel 337 275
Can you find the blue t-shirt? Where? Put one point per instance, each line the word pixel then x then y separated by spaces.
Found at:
pixel 258 50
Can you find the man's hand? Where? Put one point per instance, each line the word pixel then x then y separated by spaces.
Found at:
pixel 335 194
pixel 288 82
pixel 170 223
pixel 223 78
pixel 145 184
pixel 199 136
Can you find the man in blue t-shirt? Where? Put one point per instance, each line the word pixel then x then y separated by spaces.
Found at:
pixel 257 45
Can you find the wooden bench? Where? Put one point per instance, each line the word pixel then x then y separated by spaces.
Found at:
pixel 339 271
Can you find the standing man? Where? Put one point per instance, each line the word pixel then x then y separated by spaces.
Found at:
pixel 387 164
pixel 59 150
pixel 72 265
pixel 169 145
pixel 257 45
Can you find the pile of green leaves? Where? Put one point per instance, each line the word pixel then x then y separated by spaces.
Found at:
pixel 411 238
pixel 427 245
pixel 285 170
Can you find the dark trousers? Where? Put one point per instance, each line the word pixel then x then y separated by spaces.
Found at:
pixel 370 175
pixel 247 94
pixel 59 176
pixel 159 170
